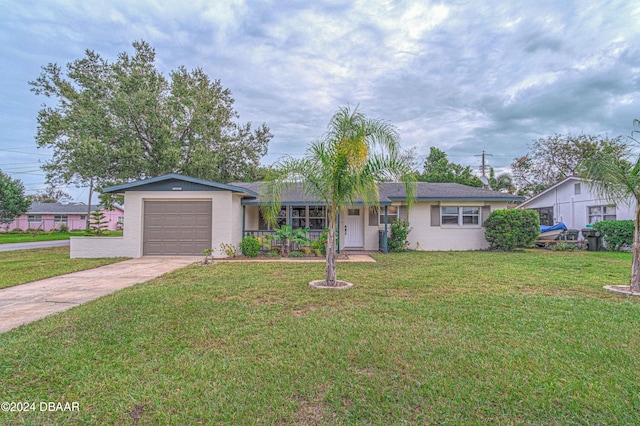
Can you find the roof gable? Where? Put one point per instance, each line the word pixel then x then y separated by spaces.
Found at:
pixel 175 182
pixel 551 188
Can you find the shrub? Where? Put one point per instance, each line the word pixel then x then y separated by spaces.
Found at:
pixel 398 241
pixel 63 228
pixel 296 254
pixel 229 249
pixel 578 246
pixel 322 242
pixel 16 231
pixel 273 253
pixel 250 246
pixel 617 234
pixel 512 229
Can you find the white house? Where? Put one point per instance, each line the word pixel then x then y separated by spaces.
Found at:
pixel 179 215
pixel 572 201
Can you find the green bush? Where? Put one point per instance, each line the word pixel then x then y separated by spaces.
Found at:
pixel 273 253
pixel 296 254
pixel 512 229
pixel 617 234
pixel 398 241
pixel 63 228
pixel 322 242
pixel 16 231
pixel 576 246
pixel 250 246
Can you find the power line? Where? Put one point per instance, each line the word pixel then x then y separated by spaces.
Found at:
pixel 484 165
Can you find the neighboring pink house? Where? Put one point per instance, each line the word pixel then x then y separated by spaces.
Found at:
pixel 48 216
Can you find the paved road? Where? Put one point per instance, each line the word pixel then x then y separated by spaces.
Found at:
pixel 30 302
pixel 35 245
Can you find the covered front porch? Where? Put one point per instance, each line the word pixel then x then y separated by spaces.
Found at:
pixel 359 228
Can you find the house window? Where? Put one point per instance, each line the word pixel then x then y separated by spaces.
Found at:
pixel 460 216
pixel 576 189
pixel 83 217
pixel 61 219
pixel 317 217
pixel 546 215
pixel 600 213
pixel 280 220
pixel 392 214
pixel 120 219
pixel 35 219
pixel 312 217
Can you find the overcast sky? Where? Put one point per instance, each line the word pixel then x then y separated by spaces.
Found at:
pixel 464 76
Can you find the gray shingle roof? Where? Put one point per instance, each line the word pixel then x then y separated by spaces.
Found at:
pixel 391 191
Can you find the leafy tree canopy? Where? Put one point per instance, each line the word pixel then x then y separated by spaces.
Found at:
pixel 437 168
pixel 50 194
pixel 13 202
pixel 121 121
pixel 557 157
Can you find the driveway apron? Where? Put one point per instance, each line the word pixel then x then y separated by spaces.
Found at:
pixel 30 302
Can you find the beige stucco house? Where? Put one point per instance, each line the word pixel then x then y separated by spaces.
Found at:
pixel 180 215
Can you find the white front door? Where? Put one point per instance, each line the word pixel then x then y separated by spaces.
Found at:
pixel 353 229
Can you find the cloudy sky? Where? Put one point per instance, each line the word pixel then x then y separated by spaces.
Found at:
pixel 464 76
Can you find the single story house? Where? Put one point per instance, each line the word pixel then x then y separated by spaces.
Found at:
pixel 49 216
pixel 574 203
pixel 179 215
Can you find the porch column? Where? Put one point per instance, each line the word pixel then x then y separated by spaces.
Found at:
pixel 339 231
pixel 244 213
pixel 386 237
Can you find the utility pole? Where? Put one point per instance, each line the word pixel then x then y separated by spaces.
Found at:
pixel 484 165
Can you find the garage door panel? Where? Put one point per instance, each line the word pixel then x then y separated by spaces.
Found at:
pixel 176 227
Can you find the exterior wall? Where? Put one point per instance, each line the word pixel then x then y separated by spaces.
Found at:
pixel 252 218
pixel 113 217
pixel 130 245
pixel 74 221
pixel 90 247
pixel 424 236
pixel 572 208
pixel 236 217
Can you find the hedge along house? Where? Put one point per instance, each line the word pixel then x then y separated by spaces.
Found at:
pixel 179 215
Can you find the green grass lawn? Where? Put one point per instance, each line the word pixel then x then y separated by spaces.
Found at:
pixel 422 338
pixel 21 266
pixel 8 237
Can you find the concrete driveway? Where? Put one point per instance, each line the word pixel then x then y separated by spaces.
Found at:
pixel 34 245
pixel 30 302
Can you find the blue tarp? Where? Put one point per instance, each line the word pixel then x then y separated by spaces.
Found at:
pixel 557 226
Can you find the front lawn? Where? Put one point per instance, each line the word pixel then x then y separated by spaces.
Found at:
pixel 9 237
pixel 22 266
pixel 422 338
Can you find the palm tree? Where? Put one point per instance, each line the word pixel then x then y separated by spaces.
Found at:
pixel 616 178
pixel 340 169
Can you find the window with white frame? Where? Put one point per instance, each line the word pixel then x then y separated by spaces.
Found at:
pixel 34 218
pixel 312 217
pixel 460 216
pixel 392 214
pixel 61 219
pixel 120 219
pixel 600 213
pixel 577 188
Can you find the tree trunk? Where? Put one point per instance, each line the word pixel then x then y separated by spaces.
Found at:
pixel 635 263
pixel 330 270
pixel 87 225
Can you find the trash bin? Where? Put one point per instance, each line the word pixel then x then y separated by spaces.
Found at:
pixel 594 240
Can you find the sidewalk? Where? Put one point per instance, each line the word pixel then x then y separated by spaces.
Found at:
pixel 30 302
